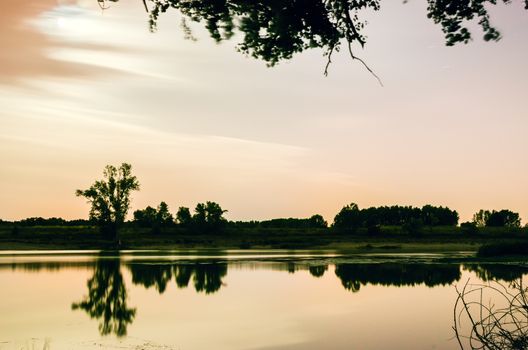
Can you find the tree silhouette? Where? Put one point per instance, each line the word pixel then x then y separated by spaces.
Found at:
pixel 110 198
pixel 348 219
pixel 208 217
pixel 273 31
pixel 501 218
pixel 154 218
pixel 107 299
pixel 184 217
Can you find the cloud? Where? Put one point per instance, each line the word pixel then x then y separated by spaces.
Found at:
pixel 26 49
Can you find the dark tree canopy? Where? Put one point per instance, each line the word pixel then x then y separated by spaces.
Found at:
pixel 501 218
pixel 110 197
pixel 154 218
pixel 184 217
pixel 273 31
pixel 208 217
pixel 351 217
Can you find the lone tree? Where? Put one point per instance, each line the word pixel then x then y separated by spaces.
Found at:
pixel 110 198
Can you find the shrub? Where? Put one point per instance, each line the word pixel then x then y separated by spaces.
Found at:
pixel 413 227
pixel 469 228
pixel 500 249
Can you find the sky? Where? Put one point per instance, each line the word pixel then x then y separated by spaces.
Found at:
pixel 81 88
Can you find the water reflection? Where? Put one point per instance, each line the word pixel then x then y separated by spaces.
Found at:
pixel 496 272
pixel 318 270
pixel 107 298
pixel 353 276
pixel 207 277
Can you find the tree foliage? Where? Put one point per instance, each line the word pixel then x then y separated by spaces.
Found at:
pixel 348 218
pixel 154 218
pixel 501 218
pixel 184 217
pixel 273 31
pixel 351 217
pixel 110 197
pixel 208 217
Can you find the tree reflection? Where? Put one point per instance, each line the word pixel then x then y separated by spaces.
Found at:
pixel 353 276
pixel 148 275
pixel 492 316
pixel 497 272
pixel 318 270
pixel 107 298
pixel 207 277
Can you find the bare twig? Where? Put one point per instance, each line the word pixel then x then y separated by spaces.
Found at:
pixel 364 64
pixel 497 326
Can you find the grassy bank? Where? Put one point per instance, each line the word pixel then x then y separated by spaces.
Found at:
pixel 390 239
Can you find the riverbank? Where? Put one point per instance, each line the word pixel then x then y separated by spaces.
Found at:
pixel 432 240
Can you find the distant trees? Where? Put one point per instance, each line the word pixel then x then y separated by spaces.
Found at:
pixel 110 198
pixel 40 221
pixel 145 217
pixel 481 217
pixel 154 218
pixel 501 218
pixel 208 217
pixel 184 217
pixel 315 221
pixel 469 228
pixel 351 217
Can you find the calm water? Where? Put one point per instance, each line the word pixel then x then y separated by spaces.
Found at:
pixel 232 300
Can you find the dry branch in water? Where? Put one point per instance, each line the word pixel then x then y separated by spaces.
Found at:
pixel 492 316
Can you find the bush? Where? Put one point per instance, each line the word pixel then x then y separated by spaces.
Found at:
pixel 413 227
pixel 500 249
pixel 469 228
pixel 374 230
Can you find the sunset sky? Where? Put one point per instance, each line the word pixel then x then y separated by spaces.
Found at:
pixel 81 88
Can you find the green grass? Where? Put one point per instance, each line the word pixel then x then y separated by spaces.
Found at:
pixel 391 239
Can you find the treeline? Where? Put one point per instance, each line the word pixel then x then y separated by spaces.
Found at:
pixel 350 218
pixel 40 221
pixel 501 218
pixel 314 222
pixel 209 217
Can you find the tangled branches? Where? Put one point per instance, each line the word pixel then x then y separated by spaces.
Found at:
pixel 496 316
